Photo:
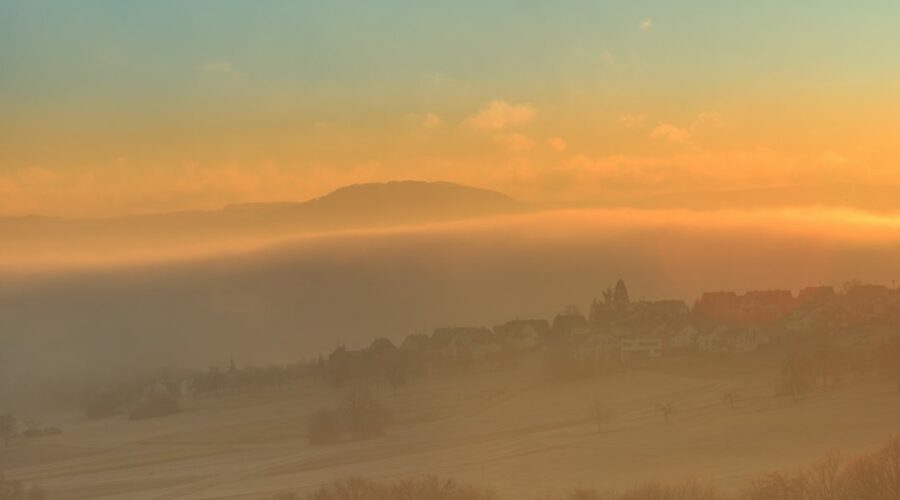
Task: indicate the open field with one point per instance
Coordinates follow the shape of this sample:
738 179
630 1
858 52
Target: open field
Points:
504 428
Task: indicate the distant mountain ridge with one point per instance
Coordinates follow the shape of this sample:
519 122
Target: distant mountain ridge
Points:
356 206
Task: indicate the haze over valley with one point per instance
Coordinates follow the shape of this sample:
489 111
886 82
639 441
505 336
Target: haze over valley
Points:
401 250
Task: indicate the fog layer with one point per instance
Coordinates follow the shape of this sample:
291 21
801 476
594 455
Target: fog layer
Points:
295 299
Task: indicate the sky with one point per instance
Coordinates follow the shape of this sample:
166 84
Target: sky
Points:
117 107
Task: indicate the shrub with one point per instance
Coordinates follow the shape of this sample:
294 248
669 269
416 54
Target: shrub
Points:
324 427
875 476
690 489
428 488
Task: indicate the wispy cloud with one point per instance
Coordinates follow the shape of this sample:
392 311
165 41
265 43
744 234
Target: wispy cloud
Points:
670 133
557 144
607 57
514 142
632 120
219 66
708 119
427 121
501 115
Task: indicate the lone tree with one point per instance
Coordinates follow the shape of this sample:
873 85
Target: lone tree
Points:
731 397
366 417
398 368
8 427
795 376
890 360
599 414
666 410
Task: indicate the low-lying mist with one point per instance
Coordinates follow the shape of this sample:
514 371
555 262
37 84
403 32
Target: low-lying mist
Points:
292 300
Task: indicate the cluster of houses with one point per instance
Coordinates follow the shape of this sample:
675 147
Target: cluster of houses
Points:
620 330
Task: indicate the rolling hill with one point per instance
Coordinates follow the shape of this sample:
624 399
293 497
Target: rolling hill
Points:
352 207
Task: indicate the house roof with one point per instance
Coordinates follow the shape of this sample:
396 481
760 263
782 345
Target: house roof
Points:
381 344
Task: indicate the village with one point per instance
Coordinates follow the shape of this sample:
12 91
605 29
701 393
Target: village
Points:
605 370
620 331
858 321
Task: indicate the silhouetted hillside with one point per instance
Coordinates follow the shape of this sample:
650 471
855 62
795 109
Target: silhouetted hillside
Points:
351 207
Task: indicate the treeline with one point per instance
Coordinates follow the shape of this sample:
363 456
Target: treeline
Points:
15 490
148 397
9 429
827 366
871 476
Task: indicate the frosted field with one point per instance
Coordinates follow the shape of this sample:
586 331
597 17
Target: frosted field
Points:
503 428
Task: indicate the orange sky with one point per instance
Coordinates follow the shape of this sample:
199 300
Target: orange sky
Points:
592 102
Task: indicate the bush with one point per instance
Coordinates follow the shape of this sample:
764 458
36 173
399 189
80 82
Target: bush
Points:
324 427
875 476
428 488
690 489
159 405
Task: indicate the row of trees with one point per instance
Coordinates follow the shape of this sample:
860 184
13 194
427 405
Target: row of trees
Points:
827 366
15 490
391 365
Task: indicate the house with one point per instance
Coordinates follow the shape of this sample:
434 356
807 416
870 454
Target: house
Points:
684 338
868 293
461 341
417 342
597 347
804 321
639 347
483 344
668 311
748 340
716 306
569 325
732 340
815 295
380 345
522 334
708 341
762 306
379 349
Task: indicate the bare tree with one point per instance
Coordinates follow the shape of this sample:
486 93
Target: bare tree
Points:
890 359
666 410
8 427
365 415
599 414
795 375
32 428
398 368
731 397
571 310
